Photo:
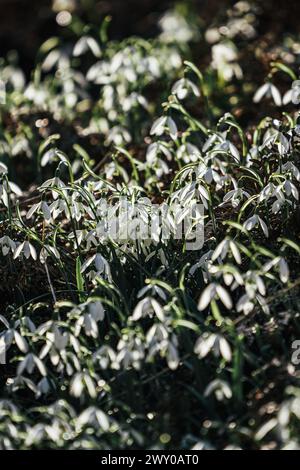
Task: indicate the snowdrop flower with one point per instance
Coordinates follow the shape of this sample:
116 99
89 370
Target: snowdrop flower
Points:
135 99
15 189
147 307
223 248
118 135
217 343
211 292
158 126
290 188
231 277
59 339
35 434
155 149
208 174
7 245
217 142
160 340
78 209
90 326
236 196
84 44
49 157
175 28
203 193
254 283
159 166
212 35
154 289
94 417
204 263
282 265
96 310
245 304
101 265
53 183
37 95
48 250
56 343
44 386
3 169
105 357
89 319
183 87
188 153
6 190
296 92
12 335
224 60
99 73
229 147
287 97
290 167
162 123
21 145
283 144
283 270
220 389
27 249
131 351
293 94
224 53
172 354
279 203
59 206
29 363
14 76
270 91
255 220
42 207
267 192
58 58
255 292
274 136
83 381
158 332
191 192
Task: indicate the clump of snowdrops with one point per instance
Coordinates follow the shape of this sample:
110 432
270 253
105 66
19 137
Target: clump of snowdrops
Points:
138 343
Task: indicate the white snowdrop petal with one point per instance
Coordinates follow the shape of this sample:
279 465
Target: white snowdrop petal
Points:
172 128
236 252
206 297
264 227
283 270
158 126
224 296
21 342
225 349
19 250
262 91
276 95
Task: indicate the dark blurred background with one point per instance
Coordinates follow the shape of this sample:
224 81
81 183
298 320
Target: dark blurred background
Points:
25 24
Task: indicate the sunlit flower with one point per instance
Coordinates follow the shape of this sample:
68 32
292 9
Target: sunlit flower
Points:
224 60
27 249
268 90
183 87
